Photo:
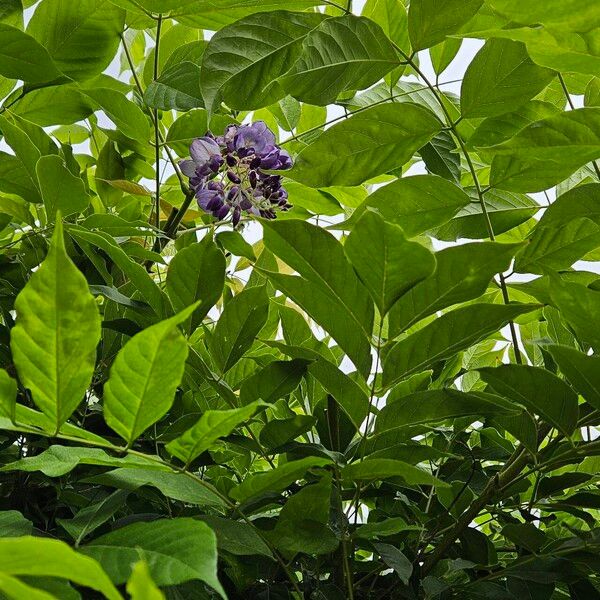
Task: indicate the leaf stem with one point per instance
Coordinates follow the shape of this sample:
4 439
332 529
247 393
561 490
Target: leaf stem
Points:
478 188
157 128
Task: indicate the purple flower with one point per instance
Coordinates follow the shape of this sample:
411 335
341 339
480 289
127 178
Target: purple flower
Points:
227 173
254 138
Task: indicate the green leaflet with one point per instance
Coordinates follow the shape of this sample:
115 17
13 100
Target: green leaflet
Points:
8 395
196 274
278 379
239 324
341 54
80 36
430 21
500 79
266 45
567 13
22 57
522 383
58 328
213 424
582 371
452 332
462 273
54 559
328 289
546 152
416 203
434 406
275 480
57 461
140 585
61 190
385 468
144 377
558 248
367 144
505 210
387 263
126 115
579 306
178 550
177 88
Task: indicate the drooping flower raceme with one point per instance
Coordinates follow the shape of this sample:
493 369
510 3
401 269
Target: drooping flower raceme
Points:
227 173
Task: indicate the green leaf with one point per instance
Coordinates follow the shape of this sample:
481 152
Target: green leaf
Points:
350 396
266 44
582 371
500 79
342 54
450 333
558 248
546 152
8 395
144 377
279 432
81 36
434 406
505 210
367 144
302 525
278 379
14 589
441 157
177 88
57 105
53 559
328 288
522 383
579 306
140 585
57 461
237 327
213 424
430 21
384 468
571 14
57 331
22 57
14 524
462 273
386 262
580 202
177 486
275 480
127 116
236 538
392 17
234 242
395 559
135 272
495 130
416 203
61 190
177 550
196 273
93 516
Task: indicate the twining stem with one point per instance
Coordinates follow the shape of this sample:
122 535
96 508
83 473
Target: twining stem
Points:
563 84
479 191
157 129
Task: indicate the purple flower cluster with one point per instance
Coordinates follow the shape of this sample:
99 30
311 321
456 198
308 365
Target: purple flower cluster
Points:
227 172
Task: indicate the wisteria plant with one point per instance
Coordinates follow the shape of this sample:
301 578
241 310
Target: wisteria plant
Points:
299 299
